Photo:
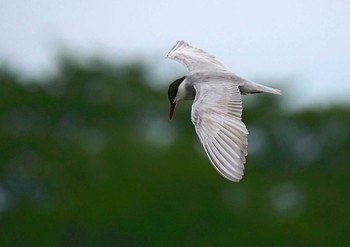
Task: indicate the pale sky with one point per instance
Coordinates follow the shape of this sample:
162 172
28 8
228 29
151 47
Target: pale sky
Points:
303 44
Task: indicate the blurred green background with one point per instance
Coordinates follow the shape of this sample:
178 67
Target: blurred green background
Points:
89 158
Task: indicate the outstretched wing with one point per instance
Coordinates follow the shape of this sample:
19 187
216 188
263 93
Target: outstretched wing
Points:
193 58
216 115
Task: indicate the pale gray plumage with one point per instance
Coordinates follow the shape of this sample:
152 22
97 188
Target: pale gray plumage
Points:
217 107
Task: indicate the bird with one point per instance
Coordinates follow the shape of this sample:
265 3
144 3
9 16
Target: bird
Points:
217 107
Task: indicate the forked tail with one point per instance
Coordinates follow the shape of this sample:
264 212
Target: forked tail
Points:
250 87
266 89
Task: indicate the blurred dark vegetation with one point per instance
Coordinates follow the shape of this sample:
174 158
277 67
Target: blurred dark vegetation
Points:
89 158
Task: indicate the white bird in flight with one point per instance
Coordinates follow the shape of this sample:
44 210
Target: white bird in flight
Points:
217 107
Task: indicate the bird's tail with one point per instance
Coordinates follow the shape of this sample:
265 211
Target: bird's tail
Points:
266 89
250 87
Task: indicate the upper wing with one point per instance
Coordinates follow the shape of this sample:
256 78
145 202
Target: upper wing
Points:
193 58
216 115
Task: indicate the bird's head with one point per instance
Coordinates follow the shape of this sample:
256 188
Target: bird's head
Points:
172 95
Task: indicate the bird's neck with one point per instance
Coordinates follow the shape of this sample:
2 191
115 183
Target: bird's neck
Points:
185 92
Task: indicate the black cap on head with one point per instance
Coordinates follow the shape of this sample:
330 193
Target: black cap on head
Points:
172 90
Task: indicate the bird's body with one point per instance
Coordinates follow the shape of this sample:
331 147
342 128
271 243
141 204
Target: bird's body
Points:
217 107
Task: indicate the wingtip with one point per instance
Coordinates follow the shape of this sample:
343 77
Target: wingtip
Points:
178 44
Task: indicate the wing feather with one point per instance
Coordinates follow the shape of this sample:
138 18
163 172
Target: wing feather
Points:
216 115
193 58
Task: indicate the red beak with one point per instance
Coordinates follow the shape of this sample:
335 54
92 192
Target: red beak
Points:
172 108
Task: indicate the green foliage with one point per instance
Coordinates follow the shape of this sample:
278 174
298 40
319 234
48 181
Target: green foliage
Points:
89 158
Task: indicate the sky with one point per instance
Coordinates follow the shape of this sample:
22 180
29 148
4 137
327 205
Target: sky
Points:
302 45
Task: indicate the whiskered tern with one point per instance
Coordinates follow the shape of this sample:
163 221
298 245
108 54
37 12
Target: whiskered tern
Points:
217 107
